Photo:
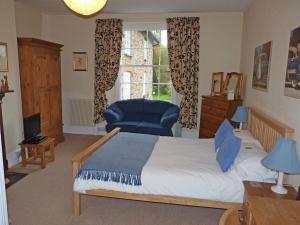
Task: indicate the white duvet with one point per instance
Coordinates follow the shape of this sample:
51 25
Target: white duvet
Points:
181 167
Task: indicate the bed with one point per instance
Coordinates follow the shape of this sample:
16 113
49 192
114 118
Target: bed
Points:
218 191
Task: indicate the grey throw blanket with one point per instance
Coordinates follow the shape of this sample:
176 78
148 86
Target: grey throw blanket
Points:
120 160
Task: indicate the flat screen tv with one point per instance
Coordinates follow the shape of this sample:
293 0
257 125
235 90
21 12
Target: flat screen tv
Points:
32 126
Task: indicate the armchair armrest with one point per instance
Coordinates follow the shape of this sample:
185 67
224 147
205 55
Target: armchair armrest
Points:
170 117
113 114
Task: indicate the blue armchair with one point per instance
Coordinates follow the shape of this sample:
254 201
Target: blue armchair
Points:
142 116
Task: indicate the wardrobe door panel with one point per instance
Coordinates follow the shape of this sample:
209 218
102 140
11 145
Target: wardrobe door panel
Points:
44 111
54 70
26 77
55 111
41 70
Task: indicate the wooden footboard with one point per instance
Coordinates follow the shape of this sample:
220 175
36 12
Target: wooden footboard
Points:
164 199
78 159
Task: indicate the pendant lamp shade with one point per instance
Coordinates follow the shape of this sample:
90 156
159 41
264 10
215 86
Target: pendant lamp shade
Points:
85 7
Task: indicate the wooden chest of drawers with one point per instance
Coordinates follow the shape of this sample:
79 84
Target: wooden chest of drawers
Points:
214 110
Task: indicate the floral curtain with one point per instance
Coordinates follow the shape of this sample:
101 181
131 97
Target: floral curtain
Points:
108 40
183 45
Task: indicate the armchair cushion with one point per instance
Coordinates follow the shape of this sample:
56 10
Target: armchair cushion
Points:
131 109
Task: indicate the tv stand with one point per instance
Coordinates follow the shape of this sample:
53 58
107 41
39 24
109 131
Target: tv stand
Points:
37 152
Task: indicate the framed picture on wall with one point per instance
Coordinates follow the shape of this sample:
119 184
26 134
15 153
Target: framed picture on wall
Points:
80 61
3 57
261 68
216 83
292 76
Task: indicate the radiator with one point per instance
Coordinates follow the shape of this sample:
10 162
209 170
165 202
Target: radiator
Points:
82 111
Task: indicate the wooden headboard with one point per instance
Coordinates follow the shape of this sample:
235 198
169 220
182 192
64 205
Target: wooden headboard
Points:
266 129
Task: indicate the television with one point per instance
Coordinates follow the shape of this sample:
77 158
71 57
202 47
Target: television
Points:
32 126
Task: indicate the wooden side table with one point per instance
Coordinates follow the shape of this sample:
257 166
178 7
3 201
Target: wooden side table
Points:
271 211
36 153
259 204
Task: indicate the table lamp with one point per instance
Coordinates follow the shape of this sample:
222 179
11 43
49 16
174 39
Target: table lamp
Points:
240 115
284 159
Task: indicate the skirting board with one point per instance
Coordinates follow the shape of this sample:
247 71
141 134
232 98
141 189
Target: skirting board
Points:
3 202
178 131
14 157
189 133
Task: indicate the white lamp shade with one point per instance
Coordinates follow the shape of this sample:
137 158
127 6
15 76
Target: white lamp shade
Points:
85 7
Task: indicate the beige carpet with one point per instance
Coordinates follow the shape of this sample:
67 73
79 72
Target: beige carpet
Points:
44 197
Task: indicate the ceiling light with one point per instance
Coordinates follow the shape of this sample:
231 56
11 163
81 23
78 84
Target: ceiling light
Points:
85 7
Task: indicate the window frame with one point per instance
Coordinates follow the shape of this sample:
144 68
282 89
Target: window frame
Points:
127 38
145 53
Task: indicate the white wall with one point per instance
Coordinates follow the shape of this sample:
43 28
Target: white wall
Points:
220 47
272 20
28 21
12 108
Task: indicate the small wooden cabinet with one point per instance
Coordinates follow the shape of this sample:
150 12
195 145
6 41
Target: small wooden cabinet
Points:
264 207
214 110
40 77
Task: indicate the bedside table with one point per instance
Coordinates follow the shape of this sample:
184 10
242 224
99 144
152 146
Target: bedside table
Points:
264 207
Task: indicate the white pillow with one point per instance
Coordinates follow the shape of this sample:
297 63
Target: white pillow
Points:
248 164
246 137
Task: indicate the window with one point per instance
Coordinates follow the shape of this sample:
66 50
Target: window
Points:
145 50
127 42
147 66
125 87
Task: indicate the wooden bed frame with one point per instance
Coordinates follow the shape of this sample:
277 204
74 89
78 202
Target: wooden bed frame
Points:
263 127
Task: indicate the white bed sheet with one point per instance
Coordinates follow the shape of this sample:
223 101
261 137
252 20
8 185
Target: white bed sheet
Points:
180 167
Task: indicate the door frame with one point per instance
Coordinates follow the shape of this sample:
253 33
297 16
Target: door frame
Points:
3 202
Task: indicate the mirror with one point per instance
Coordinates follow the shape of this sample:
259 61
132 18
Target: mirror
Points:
216 83
233 84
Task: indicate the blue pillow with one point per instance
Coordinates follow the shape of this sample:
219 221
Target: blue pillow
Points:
228 151
221 133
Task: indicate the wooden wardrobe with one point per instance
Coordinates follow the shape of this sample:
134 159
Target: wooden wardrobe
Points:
40 77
